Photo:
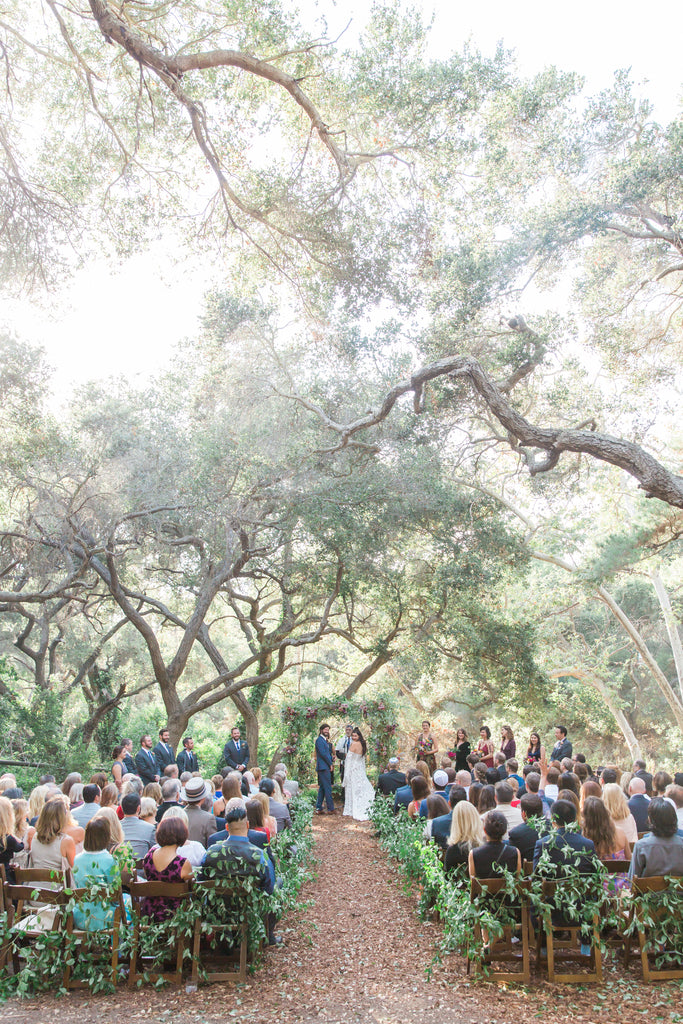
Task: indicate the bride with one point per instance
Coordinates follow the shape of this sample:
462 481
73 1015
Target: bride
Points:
359 792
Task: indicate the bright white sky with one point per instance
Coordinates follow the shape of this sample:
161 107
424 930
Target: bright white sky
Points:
151 305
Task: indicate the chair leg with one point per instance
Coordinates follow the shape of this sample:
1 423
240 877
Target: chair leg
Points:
243 952
133 968
195 951
548 928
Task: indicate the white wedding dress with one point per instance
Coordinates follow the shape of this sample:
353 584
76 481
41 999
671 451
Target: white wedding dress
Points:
359 792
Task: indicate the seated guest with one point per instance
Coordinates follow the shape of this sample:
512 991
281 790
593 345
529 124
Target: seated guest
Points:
675 795
609 841
441 826
534 825
116 839
163 864
278 810
269 822
532 783
660 852
291 784
279 778
190 850
487 801
202 822
236 857
499 759
494 855
140 835
569 794
404 794
479 773
504 795
148 810
609 775
109 796
617 808
36 802
639 803
466 834
70 781
437 807
391 780
568 780
170 796
551 788
92 796
95 865
51 847
440 781
153 789
420 790
640 772
464 779
248 777
512 772
10 846
278 796
473 794
660 780
589 788
563 846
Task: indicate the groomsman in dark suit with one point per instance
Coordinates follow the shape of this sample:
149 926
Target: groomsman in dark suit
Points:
128 762
236 751
187 759
164 753
324 759
145 761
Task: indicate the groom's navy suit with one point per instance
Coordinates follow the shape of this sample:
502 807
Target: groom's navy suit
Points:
324 759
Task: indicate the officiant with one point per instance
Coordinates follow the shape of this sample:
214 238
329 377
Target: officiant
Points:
342 748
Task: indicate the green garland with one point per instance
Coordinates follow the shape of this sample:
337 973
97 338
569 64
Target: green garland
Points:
302 718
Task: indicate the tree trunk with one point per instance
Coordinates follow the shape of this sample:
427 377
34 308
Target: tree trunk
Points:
671 626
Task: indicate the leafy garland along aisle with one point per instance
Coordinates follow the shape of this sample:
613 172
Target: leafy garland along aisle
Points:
448 896
43 962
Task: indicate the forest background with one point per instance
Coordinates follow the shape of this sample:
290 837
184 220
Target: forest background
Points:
425 440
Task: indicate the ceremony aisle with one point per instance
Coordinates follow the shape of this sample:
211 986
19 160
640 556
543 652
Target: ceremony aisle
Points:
355 950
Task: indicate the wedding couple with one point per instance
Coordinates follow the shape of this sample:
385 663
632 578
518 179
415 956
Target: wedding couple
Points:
358 790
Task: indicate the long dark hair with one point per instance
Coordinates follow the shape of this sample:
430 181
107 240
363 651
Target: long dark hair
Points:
361 739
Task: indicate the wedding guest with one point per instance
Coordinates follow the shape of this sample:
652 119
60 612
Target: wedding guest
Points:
570 795
116 838
10 845
75 797
437 807
473 794
140 835
95 865
504 794
589 788
277 809
639 803
71 780
423 769
71 828
51 847
201 822
148 810
617 808
170 797
660 852
640 772
391 780
673 793
36 802
420 790
534 825
497 773
164 864
153 789
466 835
609 841
109 796
487 800
565 846
23 831
462 750
660 780
441 826
269 822
404 794
493 856
191 850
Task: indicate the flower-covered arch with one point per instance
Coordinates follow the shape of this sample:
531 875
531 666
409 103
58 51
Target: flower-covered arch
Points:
302 718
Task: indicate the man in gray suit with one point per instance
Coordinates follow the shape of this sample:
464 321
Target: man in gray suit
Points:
92 794
138 834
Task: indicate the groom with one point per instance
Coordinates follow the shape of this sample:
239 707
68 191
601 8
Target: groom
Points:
324 759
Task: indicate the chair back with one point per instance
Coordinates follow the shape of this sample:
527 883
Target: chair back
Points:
616 867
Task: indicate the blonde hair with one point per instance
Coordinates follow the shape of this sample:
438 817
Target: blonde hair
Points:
54 819
116 836
615 801
20 808
466 825
278 795
36 800
423 769
147 806
153 789
7 825
265 803
258 775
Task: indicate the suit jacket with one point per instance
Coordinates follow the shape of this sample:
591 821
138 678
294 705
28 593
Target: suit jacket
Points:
563 848
402 797
163 755
146 765
233 756
324 754
129 764
202 824
441 829
256 838
639 805
281 814
561 749
647 779
237 857
390 781
524 837
187 761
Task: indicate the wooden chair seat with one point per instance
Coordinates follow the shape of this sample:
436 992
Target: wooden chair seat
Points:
104 942
35 904
503 949
648 956
231 930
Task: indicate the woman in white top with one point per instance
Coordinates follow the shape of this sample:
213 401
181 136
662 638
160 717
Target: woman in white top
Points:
191 850
617 808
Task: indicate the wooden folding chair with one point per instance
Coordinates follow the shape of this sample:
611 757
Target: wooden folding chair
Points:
176 942
35 905
503 949
231 929
103 941
566 949
616 939
648 954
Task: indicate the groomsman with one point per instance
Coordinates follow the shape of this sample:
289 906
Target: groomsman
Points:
342 748
187 759
324 759
236 751
128 762
145 761
164 753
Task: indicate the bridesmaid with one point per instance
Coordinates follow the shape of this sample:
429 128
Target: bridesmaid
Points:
508 745
426 747
485 747
535 752
462 749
